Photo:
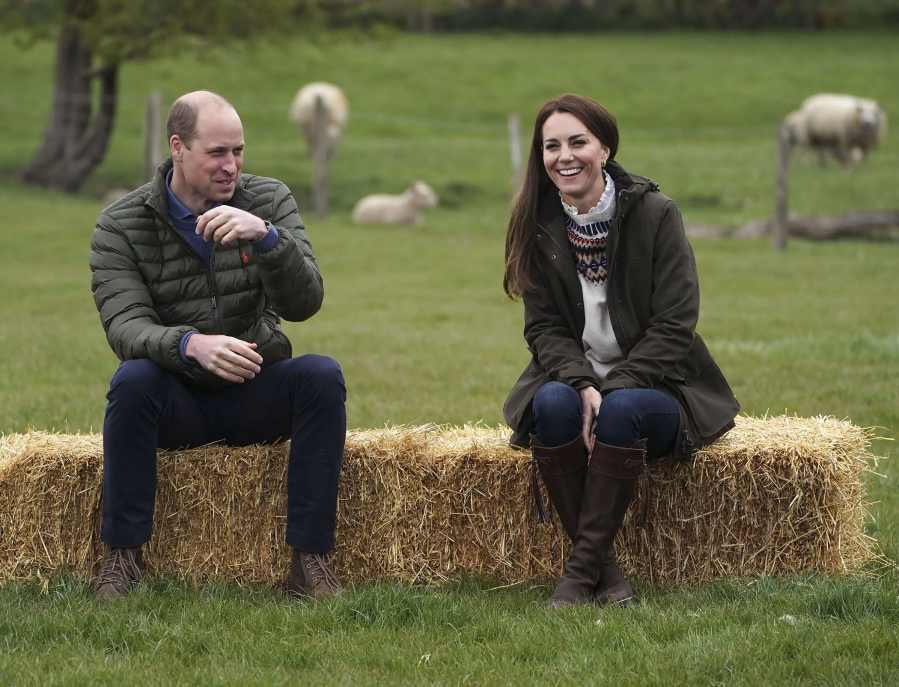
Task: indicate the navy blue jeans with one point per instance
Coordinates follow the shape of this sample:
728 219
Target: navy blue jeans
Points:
301 399
625 417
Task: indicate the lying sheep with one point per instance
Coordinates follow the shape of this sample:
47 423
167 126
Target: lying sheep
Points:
844 126
302 112
404 208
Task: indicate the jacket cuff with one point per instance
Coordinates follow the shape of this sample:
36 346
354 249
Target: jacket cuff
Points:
280 242
182 348
267 242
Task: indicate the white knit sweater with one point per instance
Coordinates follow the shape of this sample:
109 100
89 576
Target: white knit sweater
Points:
600 345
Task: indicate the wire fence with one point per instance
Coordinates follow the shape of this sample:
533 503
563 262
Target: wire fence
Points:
418 140
378 120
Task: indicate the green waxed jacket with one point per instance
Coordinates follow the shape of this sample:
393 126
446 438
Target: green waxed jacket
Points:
653 297
151 288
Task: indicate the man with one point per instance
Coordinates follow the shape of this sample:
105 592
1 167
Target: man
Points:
191 273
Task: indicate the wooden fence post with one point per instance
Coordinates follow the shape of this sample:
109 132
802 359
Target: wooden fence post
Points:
152 134
781 200
320 154
515 149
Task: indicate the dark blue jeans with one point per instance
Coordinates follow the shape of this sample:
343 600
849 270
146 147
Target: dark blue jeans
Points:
301 399
625 417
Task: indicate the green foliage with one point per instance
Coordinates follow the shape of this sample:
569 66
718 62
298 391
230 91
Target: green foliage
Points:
117 31
584 15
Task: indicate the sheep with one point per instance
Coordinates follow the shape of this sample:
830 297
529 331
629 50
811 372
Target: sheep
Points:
302 112
844 126
404 208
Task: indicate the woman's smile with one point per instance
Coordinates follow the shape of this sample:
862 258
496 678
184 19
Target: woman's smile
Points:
573 158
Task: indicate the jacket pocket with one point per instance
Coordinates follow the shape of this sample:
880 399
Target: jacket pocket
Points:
710 401
273 342
705 393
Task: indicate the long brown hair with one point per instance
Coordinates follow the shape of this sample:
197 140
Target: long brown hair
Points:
520 245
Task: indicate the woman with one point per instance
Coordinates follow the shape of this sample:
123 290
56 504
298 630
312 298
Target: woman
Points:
618 376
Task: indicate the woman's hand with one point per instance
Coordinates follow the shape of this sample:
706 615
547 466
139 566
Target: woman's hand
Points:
590 401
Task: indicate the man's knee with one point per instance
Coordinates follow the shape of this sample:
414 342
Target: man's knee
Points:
140 378
320 375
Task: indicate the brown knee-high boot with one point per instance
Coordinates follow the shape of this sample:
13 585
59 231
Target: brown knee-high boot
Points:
563 469
591 571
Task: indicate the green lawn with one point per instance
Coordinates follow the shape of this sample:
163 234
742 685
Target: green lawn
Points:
418 319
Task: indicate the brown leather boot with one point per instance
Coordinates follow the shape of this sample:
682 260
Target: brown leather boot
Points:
563 469
591 571
311 577
119 572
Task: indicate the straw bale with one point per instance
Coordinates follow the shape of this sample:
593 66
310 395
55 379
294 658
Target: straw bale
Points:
775 496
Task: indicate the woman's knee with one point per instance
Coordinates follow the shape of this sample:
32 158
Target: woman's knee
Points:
557 413
629 415
618 422
555 398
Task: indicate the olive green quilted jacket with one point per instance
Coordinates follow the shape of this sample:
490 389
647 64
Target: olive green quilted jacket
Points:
653 296
151 288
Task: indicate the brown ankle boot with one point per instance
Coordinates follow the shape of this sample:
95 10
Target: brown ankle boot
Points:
311 577
563 469
591 571
119 572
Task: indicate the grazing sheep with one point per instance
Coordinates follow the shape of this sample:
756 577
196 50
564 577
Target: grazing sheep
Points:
844 126
404 208
302 112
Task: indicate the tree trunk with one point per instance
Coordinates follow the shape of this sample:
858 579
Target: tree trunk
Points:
76 137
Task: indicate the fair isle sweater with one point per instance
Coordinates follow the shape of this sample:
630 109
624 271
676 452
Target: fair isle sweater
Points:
588 234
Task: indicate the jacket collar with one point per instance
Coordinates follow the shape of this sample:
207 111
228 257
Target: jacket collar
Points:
158 198
629 189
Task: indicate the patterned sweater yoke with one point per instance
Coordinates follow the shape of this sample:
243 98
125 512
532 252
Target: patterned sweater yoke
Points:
589 245
588 234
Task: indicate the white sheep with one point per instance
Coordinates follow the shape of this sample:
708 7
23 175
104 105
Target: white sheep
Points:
383 208
302 112
844 126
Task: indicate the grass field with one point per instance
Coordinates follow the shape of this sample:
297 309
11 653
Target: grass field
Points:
418 320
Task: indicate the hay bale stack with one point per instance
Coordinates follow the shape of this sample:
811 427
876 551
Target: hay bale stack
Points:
775 496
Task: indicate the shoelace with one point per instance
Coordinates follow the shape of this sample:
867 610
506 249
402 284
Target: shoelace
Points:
119 568
317 567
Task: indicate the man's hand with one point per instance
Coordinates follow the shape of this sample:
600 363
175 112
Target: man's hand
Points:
229 358
590 402
225 225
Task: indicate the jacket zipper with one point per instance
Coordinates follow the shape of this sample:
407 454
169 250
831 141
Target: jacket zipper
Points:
611 291
220 326
612 294
210 271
